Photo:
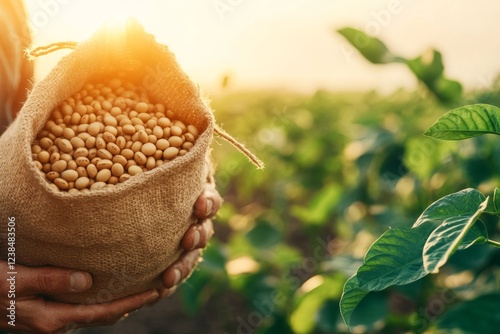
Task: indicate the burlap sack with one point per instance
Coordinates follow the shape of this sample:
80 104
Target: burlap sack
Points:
124 236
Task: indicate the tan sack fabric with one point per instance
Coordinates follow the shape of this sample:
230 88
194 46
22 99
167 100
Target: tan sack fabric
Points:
124 236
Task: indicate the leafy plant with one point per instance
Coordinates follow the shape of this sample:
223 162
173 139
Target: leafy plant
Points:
450 225
428 67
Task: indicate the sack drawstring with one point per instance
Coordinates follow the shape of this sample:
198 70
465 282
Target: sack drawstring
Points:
44 50
239 146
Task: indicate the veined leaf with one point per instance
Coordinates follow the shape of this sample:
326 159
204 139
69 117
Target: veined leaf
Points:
359 307
478 234
352 296
446 238
466 122
370 47
394 259
464 202
493 206
479 315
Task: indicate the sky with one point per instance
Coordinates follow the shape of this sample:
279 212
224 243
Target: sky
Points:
291 44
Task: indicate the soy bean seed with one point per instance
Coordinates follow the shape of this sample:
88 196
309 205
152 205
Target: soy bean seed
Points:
105 134
117 169
134 170
120 159
175 141
162 144
104 164
65 146
82 161
170 153
148 149
140 158
52 175
103 175
61 184
82 182
43 157
92 171
150 163
59 166
82 171
69 175
104 154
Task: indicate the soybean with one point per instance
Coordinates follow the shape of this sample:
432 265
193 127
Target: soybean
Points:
105 134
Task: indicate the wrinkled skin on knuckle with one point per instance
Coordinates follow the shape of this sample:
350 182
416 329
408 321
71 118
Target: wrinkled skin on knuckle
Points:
45 283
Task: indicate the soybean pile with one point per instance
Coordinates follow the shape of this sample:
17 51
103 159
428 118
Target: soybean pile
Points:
105 134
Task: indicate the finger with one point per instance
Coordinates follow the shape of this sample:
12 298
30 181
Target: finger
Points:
197 236
49 280
164 293
181 269
61 317
208 203
109 313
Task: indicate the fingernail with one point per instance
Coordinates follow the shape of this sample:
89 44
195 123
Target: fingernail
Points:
153 297
79 281
177 278
209 207
196 238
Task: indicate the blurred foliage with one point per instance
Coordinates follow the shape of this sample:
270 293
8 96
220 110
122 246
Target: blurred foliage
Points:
428 68
342 169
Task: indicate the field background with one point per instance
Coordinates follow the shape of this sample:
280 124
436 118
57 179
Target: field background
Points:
343 143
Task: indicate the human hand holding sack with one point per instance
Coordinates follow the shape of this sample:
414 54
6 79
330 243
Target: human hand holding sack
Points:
124 235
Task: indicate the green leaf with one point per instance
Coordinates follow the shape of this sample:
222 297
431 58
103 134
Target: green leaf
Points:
204 282
494 203
464 202
446 238
479 315
447 90
478 234
370 313
394 259
370 47
264 235
427 67
214 259
320 206
327 316
466 122
370 307
303 318
351 298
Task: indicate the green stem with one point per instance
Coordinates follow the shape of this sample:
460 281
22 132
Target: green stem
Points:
493 243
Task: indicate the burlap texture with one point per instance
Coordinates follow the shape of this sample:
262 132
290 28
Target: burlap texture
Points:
124 236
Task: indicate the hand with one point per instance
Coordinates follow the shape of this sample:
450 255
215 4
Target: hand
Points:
37 315
33 314
195 238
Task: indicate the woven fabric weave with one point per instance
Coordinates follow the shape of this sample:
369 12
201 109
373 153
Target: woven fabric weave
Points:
124 236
